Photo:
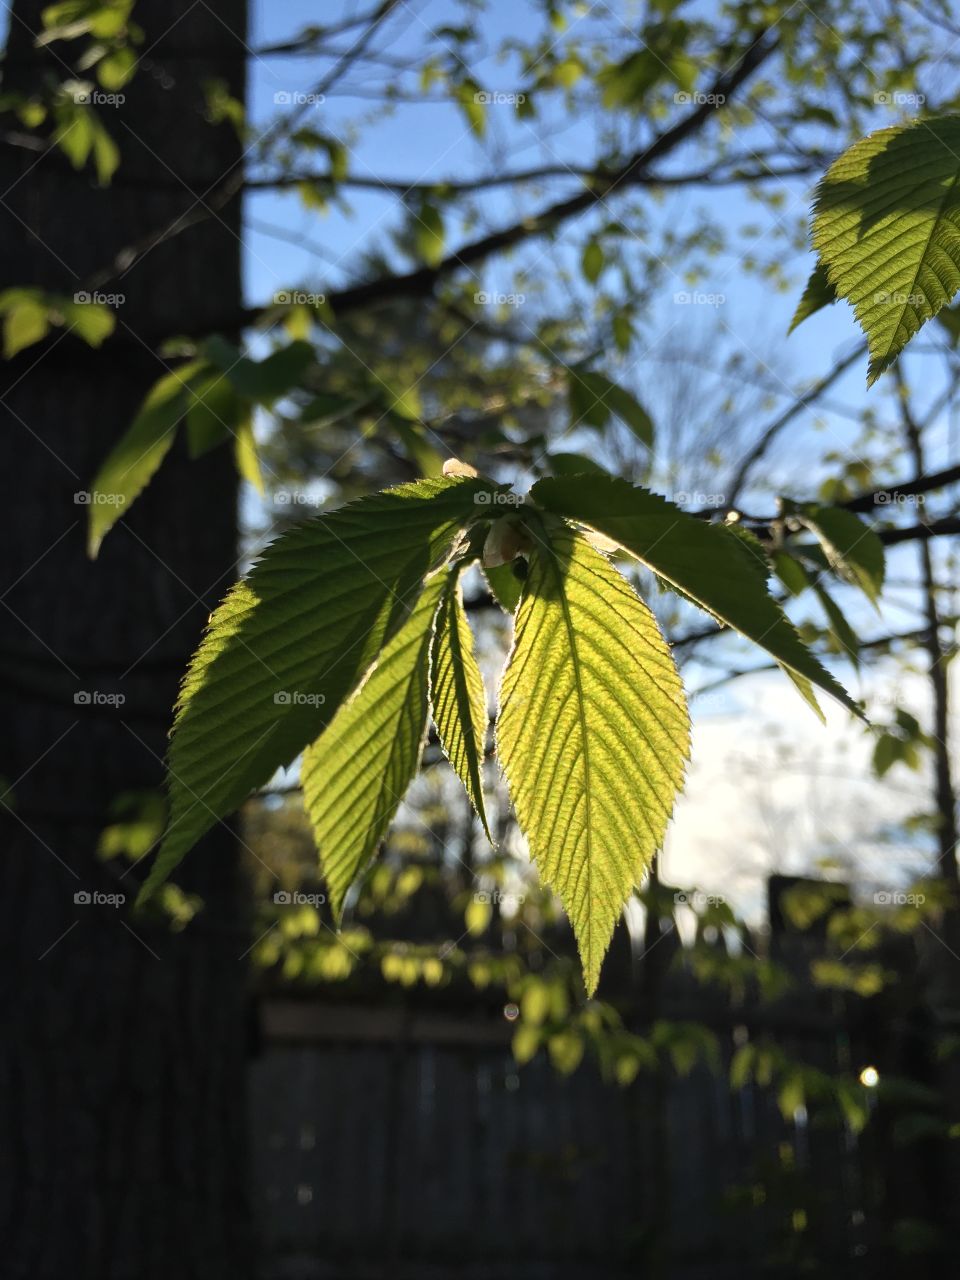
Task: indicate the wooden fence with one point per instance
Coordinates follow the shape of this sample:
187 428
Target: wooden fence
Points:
401 1141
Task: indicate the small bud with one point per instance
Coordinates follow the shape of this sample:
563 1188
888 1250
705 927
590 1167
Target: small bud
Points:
454 467
505 541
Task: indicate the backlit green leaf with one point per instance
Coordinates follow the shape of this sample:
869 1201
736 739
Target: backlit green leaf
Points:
356 773
505 583
428 234
819 293
293 639
852 548
457 695
886 222
704 561
246 454
24 322
133 461
592 733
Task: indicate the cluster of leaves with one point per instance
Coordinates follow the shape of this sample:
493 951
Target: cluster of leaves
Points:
30 314
350 629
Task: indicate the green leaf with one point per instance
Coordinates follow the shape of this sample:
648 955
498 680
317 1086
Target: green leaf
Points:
886 753
134 460
842 631
819 293
428 234
213 411
574 464
566 1051
525 1043
92 321
246 454
593 397
505 583
791 1095
592 733
263 381
106 153
587 393
355 775
704 561
457 695
472 102
853 550
75 132
627 83
405 403
293 639
790 572
592 262
428 460
741 1066
886 221
25 322
114 70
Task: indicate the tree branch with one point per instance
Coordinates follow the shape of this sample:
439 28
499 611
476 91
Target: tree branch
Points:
422 281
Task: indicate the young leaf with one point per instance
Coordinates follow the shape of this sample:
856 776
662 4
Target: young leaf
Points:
885 224
705 562
472 103
247 455
457 695
92 321
428 234
134 459
852 548
592 733
356 773
25 320
293 639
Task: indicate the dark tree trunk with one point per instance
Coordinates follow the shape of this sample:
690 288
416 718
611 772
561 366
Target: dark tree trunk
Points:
121 1069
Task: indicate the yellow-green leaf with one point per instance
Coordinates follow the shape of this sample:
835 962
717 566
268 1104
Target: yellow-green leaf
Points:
457 695
133 461
819 293
355 775
246 454
886 224
707 563
592 734
295 638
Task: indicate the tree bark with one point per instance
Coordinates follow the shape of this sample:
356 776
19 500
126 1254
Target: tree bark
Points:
122 1060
